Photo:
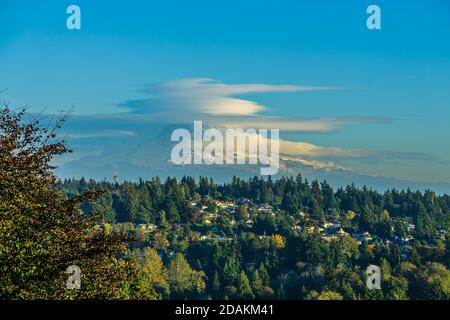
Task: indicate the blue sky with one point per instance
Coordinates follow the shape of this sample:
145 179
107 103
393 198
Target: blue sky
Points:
398 76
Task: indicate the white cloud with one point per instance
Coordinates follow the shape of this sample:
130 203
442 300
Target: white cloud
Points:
207 96
102 134
213 102
292 124
311 150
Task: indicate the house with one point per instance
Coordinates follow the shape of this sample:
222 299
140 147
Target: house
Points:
264 210
311 229
219 204
329 237
406 239
146 227
224 204
367 236
336 225
362 237
327 224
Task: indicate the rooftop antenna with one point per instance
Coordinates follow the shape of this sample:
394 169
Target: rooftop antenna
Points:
116 176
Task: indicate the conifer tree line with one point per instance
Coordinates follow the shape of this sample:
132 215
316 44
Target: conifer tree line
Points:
145 201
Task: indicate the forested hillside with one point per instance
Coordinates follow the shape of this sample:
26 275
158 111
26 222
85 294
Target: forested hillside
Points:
286 239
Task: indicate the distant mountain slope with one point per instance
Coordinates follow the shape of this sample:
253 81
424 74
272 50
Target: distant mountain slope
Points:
99 158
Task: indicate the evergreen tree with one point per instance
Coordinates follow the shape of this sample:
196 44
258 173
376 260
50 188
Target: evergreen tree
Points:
184 281
244 290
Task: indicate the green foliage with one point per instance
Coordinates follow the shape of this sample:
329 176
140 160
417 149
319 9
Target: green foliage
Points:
183 280
41 231
433 281
244 291
152 273
329 295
